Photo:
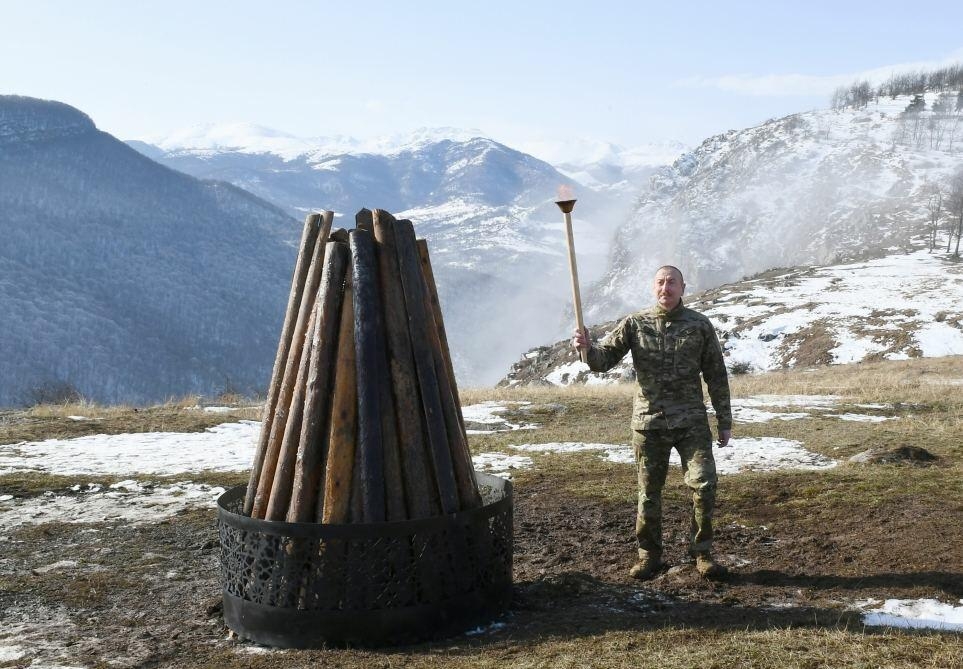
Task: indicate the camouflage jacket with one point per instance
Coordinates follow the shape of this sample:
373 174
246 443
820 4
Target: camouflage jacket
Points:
669 351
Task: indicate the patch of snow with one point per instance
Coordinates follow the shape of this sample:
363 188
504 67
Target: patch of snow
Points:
219 409
746 453
226 447
742 414
56 566
801 401
484 418
765 454
253 649
563 375
938 339
36 637
501 464
620 453
11 653
129 502
916 614
487 629
863 418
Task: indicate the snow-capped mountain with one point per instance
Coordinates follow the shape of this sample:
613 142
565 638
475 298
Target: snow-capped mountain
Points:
487 212
604 165
250 138
904 304
814 187
124 279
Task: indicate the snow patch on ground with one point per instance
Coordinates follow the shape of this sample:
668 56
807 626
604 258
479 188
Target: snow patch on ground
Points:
228 447
743 414
916 614
610 452
748 453
750 409
501 464
128 501
485 418
863 418
35 637
800 401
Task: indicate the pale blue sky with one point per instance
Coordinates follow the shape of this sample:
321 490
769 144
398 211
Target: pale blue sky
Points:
627 72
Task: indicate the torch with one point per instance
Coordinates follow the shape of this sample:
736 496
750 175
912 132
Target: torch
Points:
566 203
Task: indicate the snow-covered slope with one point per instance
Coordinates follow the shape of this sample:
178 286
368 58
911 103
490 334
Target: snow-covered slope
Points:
903 304
815 187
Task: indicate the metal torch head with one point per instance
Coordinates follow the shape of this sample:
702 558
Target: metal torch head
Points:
566 206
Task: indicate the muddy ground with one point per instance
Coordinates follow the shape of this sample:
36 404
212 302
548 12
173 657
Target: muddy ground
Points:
148 596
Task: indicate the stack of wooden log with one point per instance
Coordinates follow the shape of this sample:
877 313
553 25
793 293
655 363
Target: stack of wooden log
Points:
362 422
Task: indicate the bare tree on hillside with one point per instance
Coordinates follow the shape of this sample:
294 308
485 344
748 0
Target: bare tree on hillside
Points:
955 208
935 206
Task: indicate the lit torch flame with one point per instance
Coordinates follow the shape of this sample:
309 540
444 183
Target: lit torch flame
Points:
566 199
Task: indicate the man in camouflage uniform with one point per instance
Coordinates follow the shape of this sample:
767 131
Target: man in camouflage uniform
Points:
671 346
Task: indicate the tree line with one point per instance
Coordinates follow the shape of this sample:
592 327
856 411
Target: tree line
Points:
945 206
861 93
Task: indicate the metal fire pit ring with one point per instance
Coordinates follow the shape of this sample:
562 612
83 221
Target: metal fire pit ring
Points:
308 585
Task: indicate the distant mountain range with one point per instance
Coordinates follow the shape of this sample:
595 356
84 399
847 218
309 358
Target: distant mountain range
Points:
127 280
486 210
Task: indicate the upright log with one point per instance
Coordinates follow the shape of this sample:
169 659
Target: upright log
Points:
451 404
292 365
309 236
335 502
280 495
420 491
313 445
418 327
372 373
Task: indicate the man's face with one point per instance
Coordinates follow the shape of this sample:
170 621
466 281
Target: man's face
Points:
668 288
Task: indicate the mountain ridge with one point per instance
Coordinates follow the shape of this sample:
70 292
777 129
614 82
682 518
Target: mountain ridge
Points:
813 187
127 280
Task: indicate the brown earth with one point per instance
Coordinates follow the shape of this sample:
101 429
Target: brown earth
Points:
149 596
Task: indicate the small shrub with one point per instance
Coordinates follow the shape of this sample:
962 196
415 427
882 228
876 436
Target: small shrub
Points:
52 392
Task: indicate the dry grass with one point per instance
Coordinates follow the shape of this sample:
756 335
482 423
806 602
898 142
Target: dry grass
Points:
64 421
665 648
908 381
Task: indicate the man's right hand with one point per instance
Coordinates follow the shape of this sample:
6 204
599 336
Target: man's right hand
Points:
581 341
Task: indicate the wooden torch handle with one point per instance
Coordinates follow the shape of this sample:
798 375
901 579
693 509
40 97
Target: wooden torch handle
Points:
576 297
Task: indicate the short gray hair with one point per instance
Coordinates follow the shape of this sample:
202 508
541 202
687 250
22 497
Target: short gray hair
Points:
674 269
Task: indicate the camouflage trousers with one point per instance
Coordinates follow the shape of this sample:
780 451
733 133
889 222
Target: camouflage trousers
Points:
652 449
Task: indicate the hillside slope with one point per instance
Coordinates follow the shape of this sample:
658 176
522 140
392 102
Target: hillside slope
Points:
816 187
125 279
897 306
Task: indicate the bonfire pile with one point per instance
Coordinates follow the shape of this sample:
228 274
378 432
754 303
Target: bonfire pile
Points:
362 422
